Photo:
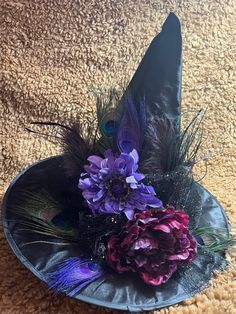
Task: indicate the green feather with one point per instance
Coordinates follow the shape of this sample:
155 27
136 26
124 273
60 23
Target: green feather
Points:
108 116
215 239
38 212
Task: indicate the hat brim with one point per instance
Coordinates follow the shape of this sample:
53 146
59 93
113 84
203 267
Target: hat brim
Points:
118 292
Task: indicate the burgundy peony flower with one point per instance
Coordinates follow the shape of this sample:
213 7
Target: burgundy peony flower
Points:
113 185
153 244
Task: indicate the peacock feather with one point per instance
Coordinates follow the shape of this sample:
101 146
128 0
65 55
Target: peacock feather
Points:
215 239
39 213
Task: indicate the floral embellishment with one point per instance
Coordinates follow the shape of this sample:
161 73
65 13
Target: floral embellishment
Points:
154 244
112 185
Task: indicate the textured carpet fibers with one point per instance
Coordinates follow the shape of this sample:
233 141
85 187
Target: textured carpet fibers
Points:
51 51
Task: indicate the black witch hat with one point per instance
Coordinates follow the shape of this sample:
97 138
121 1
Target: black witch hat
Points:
65 236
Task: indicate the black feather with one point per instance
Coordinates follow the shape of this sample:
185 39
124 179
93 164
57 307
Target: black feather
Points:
160 144
77 141
168 158
77 146
167 151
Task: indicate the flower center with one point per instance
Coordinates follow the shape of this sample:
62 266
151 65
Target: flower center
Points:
118 188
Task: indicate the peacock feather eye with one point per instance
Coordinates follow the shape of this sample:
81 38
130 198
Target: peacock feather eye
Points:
55 217
48 213
109 127
109 124
94 266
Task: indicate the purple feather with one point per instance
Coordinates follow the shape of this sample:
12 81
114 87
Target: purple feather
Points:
132 127
143 117
74 274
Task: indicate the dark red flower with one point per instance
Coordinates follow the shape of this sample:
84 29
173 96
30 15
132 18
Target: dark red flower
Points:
153 244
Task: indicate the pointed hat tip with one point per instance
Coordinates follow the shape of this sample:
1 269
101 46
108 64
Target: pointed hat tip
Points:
172 22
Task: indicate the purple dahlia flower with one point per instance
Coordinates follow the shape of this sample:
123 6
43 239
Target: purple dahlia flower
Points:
112 185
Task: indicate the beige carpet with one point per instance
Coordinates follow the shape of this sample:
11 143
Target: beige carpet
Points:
51 51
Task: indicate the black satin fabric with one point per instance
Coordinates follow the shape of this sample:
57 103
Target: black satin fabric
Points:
122 292
159 75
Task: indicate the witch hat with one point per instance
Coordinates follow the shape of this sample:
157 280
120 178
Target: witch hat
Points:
56 199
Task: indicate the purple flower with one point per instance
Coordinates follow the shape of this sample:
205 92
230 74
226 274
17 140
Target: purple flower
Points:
154 244
112 185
